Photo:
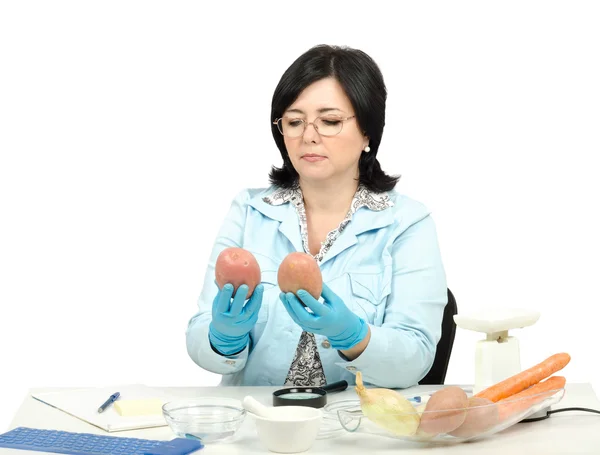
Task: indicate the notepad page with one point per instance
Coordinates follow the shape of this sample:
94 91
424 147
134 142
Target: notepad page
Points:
84 403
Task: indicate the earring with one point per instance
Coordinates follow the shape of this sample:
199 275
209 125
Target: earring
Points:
367 149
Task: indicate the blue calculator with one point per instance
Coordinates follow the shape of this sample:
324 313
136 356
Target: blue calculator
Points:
55 441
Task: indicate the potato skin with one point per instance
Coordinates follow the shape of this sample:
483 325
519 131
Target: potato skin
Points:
300 271
478 419
237 266
446 410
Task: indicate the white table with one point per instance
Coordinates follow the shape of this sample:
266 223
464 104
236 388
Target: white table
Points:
569 432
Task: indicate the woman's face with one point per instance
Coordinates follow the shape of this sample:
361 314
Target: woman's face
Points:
318 158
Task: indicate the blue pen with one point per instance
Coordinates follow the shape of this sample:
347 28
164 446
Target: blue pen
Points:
108 402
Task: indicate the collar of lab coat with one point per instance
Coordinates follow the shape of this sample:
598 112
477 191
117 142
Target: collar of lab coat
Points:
363 220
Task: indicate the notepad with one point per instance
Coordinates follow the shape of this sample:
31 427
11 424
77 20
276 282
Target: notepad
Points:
83 404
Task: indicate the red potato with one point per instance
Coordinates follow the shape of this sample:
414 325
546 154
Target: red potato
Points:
481 416
237 266
300 271
445 411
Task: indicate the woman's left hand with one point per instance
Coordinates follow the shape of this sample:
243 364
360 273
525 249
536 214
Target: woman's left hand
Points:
333 318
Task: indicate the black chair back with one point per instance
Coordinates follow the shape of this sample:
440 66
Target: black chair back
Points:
437 373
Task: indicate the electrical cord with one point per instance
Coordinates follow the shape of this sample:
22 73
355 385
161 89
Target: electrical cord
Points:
552 411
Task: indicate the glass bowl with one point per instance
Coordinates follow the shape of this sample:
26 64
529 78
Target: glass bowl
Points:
448 425
331 426
206 419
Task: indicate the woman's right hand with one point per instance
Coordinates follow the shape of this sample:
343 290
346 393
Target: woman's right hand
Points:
232 321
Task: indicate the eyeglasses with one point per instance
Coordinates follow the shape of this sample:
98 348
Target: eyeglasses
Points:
328 125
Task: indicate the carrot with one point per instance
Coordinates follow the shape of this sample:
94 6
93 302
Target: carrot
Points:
536 393
525 379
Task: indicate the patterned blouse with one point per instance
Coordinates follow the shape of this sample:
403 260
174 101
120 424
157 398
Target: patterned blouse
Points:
306 368
362 198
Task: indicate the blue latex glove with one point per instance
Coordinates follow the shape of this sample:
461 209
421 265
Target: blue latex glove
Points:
232 320
333 318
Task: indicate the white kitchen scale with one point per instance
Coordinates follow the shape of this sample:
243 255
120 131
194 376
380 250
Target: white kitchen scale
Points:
497 357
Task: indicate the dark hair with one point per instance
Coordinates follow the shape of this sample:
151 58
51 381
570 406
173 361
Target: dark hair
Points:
362 82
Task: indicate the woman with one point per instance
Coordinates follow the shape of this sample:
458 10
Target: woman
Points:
384 285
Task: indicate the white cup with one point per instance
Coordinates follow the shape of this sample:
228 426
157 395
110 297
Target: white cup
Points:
289 429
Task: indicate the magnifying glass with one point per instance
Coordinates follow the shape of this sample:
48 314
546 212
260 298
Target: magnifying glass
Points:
314 397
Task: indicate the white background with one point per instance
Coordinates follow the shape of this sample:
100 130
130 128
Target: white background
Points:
127 127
